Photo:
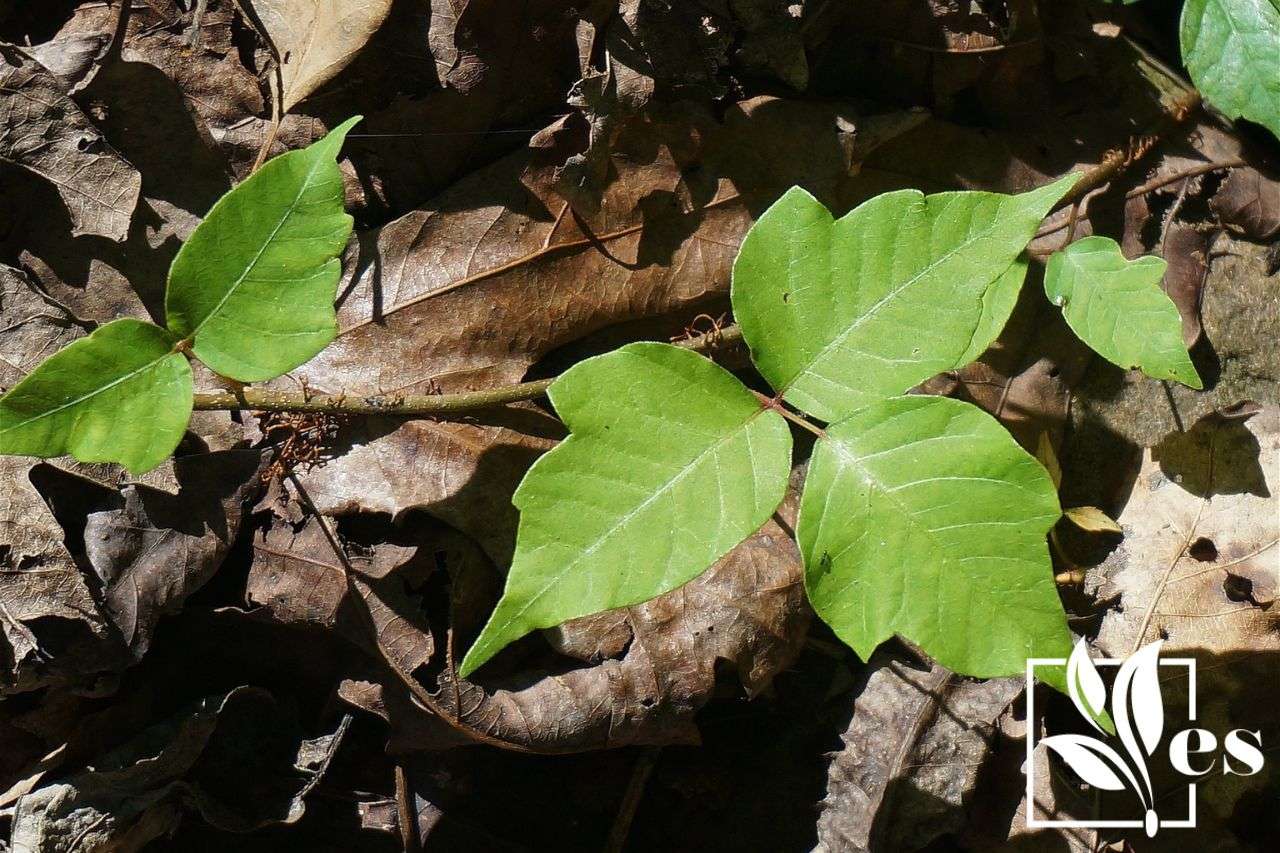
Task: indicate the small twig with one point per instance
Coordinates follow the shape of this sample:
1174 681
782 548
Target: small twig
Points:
775 404
631 800
408 822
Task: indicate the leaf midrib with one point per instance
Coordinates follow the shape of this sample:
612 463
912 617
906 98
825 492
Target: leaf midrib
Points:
293 206
608 534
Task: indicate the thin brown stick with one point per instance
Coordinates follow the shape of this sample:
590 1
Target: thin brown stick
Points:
405 818
631 800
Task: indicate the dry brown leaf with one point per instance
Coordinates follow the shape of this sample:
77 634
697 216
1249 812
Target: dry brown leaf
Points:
1213 485
45 132
313 40
1249 202
915 746
207 760
747 609
299 579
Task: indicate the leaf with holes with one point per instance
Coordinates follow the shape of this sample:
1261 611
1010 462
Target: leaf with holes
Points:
842 312
253 288
922 517
670 464
1116 306
1232 50
120 395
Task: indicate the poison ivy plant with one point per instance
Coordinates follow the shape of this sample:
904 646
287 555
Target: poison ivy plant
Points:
1232 50
840 313
920 517
1117 307
250 294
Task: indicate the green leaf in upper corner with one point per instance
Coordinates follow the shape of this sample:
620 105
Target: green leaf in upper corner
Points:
671 463
119 395
842 312
1232 50
253 288
1117 307
922 517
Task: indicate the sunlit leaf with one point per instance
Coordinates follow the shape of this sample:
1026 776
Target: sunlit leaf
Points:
122 394
1116 306
1232 50
922 517
253 288
842 312
315 39
671 463
1092 520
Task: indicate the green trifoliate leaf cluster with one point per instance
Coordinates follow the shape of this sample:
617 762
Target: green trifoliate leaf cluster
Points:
250 294
921 516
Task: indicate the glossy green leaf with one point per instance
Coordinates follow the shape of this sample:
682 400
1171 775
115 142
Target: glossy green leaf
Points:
670 464
1232 50
841 313
1117 307
253 288
921 516
122 394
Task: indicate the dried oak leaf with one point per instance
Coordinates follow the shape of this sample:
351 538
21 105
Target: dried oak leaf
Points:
237 759
43 131
915 746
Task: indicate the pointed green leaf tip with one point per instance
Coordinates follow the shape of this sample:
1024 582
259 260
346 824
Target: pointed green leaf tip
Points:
253 288
120 395
1117 307
670 464
1232 50
842 312
922 517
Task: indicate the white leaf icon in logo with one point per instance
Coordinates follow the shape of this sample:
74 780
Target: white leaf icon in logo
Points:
1085 686
1137 703
1089 758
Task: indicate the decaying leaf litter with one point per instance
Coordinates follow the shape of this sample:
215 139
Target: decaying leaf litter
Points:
532 186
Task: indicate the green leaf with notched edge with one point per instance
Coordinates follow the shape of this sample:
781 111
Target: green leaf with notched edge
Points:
671 463
1117 307
122 394
1232 50
921 516
253 288
843 312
